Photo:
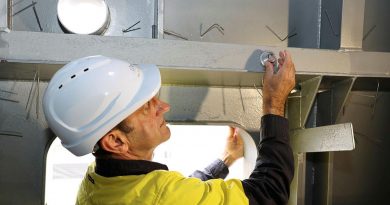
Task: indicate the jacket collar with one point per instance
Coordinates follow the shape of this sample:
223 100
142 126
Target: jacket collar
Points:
116 167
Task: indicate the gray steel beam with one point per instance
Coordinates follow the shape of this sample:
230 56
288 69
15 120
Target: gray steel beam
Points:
330 24
306 22
297 187
376 26
170 76
352 23
159 17
4 27
261 22
48 48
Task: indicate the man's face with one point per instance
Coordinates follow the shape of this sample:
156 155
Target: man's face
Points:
149 126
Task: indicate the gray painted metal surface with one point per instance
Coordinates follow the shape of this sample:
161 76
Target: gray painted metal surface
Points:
243 22
317 23
47 48
24 140
323 139
306 22
300 103
352 24
376 26
331 102
308 93
319 178
366 167
334 24
340 93
207 105
297 187
4 16
299 106
331 22
159 18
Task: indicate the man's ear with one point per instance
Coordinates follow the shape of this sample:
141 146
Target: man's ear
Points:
114 142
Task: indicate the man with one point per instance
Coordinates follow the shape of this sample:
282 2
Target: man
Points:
107 106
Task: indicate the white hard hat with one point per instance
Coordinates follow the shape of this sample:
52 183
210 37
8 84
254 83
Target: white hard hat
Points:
89 96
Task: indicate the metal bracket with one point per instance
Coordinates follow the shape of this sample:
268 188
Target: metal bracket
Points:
340 93
323 139
331 103
300 103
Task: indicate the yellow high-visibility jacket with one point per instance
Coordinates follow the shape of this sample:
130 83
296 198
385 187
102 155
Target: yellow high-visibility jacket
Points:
159 187
269 183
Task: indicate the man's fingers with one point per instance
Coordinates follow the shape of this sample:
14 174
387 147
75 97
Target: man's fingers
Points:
290 68
269 70
281 61
235 139
289 64
286 59
235 131
282 54
232 131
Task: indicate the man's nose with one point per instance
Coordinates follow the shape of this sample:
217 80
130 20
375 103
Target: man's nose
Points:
163 107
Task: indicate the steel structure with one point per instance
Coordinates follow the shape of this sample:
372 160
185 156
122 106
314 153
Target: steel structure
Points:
205 82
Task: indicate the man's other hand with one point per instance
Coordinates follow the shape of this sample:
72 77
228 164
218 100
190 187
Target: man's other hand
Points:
234 148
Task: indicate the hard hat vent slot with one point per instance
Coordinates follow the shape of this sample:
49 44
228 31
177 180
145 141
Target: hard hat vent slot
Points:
60 87
73 76
85 70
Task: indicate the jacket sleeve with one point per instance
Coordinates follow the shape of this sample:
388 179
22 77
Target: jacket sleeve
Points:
269 183
215 170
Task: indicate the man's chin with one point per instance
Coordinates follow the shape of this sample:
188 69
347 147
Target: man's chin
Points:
167 135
